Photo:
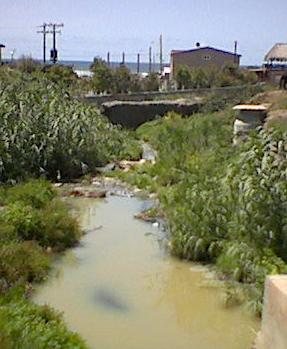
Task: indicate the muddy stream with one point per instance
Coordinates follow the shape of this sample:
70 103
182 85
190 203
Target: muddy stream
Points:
120 289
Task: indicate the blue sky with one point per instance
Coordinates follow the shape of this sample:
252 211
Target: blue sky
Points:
93 27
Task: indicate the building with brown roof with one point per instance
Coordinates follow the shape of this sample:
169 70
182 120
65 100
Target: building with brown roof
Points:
203 57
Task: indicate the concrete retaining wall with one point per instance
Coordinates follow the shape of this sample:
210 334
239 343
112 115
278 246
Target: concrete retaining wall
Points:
133 114
273 334
149 96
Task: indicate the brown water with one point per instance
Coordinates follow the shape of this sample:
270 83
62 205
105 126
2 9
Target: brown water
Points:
120 290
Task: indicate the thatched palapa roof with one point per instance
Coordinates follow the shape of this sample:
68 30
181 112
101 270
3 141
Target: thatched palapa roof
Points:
277 53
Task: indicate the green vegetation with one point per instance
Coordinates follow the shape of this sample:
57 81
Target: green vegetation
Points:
45 132
34 222
24 325
202 78
224 205
120 79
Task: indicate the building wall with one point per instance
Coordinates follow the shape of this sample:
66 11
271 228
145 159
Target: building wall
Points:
203 58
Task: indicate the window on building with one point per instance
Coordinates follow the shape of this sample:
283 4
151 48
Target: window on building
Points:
206 57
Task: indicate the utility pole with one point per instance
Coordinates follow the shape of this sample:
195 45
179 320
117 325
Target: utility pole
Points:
54 52
108 58
150 59
160 54
123 59
138 63
235 51
1 46
44 31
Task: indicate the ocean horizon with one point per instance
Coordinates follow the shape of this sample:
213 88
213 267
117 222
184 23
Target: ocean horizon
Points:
132 66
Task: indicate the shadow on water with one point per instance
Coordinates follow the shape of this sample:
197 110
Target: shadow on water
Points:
110 301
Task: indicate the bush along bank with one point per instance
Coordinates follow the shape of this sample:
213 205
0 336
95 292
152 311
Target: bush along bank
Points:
34 222
224 205
45 132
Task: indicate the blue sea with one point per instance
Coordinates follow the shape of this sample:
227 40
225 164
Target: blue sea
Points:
85 65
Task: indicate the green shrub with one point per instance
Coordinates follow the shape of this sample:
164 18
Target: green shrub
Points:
24 325
183 77
229 75
46 133
224 204
22 262
26 64
59 228
60 74
51 226
26 221
247 264
33 212
7 231
35 193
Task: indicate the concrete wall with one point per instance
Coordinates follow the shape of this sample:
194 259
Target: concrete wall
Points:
149 96
273 334
205 58
133 114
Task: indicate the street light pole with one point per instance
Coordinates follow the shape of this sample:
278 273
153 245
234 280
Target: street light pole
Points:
12 54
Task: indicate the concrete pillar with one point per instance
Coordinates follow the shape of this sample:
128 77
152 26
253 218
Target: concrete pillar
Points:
248 118
273 334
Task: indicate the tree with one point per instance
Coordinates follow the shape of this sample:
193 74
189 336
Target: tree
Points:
102 80
183 77
122 79
136 84
27 64
199 78
151 82
60 74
